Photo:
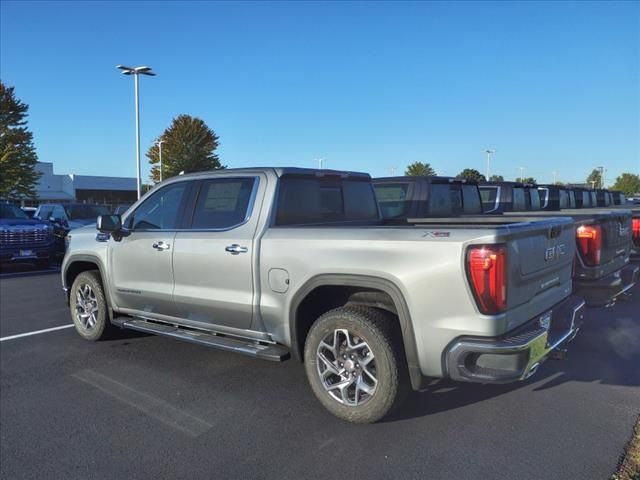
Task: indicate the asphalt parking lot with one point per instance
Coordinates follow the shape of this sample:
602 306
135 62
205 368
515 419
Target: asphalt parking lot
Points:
147 407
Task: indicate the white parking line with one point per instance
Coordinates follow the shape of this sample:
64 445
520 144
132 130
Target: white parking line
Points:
37 332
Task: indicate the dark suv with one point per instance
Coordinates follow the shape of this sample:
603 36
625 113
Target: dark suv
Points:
23 239
64 217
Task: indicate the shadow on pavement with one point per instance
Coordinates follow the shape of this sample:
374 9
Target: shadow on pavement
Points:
605 351
26 270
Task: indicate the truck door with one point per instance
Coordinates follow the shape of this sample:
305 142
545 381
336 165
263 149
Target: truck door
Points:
141 262
213 257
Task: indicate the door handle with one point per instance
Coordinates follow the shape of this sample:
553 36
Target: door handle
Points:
161 246
236 249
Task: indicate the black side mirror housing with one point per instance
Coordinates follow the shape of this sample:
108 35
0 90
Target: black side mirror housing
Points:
109 223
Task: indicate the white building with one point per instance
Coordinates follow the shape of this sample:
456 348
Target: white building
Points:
53 188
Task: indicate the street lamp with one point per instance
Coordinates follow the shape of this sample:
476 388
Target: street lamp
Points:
137 71
159 144
488 151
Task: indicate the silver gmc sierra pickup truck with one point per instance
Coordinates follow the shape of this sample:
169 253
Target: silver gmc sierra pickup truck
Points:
279 262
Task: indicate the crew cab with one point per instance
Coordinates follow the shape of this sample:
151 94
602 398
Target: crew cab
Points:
279 262
416 197
602 270
23 239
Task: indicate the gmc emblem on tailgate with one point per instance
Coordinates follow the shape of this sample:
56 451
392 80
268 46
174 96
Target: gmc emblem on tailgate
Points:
554 252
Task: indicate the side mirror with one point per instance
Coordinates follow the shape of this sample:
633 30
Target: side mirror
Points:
109 223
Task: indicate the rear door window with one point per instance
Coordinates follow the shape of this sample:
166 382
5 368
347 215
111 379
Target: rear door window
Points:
564 199
222 203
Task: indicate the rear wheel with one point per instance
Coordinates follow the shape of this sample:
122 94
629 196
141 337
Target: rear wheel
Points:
89 310
353 362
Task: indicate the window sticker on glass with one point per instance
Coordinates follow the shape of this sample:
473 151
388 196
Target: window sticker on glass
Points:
223 197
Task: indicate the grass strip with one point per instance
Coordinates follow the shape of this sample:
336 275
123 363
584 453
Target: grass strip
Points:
629 468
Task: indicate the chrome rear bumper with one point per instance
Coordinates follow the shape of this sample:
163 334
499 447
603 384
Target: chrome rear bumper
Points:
518 354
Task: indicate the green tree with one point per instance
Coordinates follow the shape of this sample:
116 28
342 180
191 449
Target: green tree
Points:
188 145
472 174
628 183
496 178
526 180
419 169
595 178
18 158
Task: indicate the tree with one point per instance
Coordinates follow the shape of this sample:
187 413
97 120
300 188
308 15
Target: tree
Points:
628 183
419 169
595 178
472 174
496 178
18 158
188 145
526 180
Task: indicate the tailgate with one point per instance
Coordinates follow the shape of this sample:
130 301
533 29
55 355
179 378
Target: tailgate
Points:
616 231
616 236
540 259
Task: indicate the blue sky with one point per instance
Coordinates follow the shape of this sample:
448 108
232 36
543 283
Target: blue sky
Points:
552 86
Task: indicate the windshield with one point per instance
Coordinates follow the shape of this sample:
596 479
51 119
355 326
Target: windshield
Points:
85 212
11 211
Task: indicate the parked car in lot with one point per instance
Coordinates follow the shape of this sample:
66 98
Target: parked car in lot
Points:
602 270
23 239
273 262
64 217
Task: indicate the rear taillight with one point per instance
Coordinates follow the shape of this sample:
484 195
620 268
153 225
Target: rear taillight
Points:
635 228
589 238
487 270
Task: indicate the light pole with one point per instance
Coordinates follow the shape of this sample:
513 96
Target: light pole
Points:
554 177
137 71
521 173
159 143
488 151
602 172
320 162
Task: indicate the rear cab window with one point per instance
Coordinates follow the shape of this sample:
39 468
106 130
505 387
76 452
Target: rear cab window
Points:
520 203
534 198
471 199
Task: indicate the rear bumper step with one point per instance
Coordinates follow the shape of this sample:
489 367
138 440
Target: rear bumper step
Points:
274 353
518 354
603 292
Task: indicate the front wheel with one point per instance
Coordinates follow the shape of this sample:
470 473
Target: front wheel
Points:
353 362
89 310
